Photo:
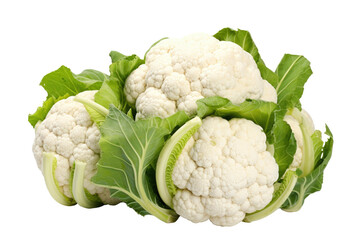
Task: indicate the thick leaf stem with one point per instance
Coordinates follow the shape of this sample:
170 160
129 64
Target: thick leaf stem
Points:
93 105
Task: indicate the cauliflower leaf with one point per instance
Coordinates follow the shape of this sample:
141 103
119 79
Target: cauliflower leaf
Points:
49 165
293 72
81 195
111 92
61 84
42 111
168 157
63 81
258 111
129 151
312 181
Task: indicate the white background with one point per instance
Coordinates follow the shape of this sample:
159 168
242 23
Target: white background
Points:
37 37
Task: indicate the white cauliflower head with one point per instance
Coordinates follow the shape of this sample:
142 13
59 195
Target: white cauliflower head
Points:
177 72
69 133
224 172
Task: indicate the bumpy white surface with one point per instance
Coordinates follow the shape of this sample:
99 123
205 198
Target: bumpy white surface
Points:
224 172
177 72
68 132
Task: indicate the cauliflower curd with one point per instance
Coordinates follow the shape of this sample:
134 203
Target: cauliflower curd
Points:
177 72
224 172
69 133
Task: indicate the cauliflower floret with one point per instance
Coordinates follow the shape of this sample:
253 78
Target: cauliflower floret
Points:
196 66
68 132
229 172
153 102
269 93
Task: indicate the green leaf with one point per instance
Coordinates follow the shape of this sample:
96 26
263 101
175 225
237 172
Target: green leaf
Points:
92 79
63 81
258 111
116 56
112 91
49 167
279 197
313 181
317 141
129 152
42 111
244 40
284 143
168 157
293 72
82 195
61 84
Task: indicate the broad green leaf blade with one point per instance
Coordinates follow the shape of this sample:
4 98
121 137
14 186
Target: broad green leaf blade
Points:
168 157
112 91
92 79
244 40
109 93
61 84
279 197
284 143
49 167
313 181
173 122
293 72
116 56
42 111
81 195
208 106
122 68
258 111
316 139
91 74
129 149
241 38
62 81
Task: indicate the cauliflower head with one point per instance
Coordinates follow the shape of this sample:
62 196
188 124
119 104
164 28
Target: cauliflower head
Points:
178 72
224 172
69 133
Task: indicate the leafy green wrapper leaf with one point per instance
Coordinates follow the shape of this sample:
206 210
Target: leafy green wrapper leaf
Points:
129 152
112 91
313 181
293 72
244 40
284 143
61 84
63 81
92 78
42 111
258 111
116 56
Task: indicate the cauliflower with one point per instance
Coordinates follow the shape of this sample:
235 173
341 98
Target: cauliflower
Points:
69 133
177 72
224 172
